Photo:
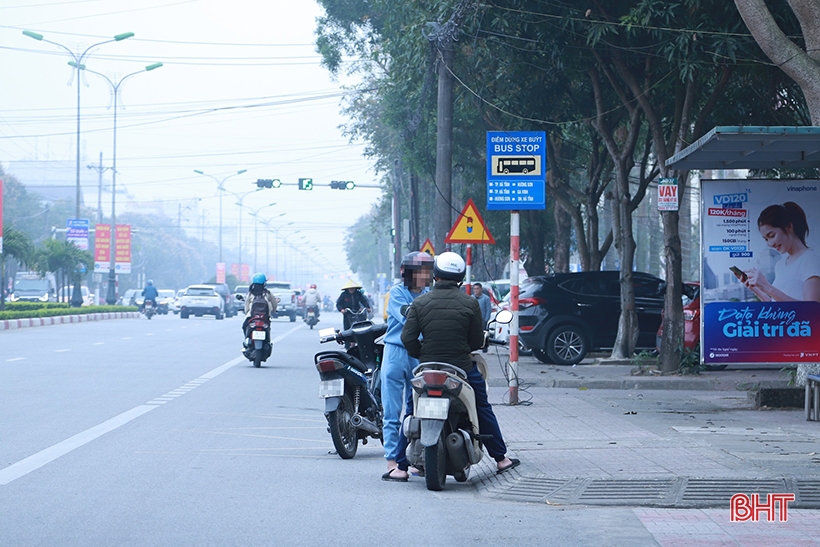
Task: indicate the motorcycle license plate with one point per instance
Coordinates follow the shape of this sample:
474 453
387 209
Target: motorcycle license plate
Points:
311 314
432 408
331 388
258 335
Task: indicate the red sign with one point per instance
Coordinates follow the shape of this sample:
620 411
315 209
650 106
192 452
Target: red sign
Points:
246 273
122 248
102 245
235 270
220 272
1 216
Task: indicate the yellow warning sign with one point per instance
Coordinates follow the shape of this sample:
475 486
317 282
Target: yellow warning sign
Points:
470 227
428 247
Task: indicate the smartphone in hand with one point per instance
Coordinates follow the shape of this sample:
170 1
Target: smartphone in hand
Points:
740 274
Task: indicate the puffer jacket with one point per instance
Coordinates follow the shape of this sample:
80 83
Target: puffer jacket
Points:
450 324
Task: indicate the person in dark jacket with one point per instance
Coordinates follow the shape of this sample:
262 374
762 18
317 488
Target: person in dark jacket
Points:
451 327
352 300
150 293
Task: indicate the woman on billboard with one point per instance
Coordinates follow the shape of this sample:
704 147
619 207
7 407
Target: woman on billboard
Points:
797 275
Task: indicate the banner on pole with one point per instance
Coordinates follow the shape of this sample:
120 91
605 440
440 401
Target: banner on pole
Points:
220 272
102 248
77 232
1 218
122 249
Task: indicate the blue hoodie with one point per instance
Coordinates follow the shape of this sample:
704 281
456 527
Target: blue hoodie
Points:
399 296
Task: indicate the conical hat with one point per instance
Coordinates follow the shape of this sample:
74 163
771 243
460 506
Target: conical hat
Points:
351 285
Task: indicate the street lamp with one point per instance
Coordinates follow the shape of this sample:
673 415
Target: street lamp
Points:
77 297
111 295
220 186
241 198
285 248
276 249
255 214
267 245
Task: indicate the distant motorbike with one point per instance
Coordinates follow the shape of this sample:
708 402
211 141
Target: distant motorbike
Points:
350 384
257 333
312 315
148 309
327 304
443 432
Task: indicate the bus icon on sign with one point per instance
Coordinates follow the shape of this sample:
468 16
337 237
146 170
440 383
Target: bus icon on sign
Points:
515 165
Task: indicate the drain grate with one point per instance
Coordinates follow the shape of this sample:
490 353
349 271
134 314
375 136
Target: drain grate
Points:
533 488
720 491
808 492
626 491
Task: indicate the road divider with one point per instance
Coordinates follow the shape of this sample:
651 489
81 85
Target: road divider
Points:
13 324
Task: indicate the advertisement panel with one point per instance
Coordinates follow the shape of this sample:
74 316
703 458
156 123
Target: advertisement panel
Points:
122 249
760 278
77 232
245 273
235 270
220 272
102 248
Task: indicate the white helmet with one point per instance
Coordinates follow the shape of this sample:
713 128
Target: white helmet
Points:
450 266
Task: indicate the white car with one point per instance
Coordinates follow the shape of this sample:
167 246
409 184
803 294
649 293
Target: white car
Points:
201 300
175 304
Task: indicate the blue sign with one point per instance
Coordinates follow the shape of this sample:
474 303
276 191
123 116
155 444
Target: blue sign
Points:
77 232
516 170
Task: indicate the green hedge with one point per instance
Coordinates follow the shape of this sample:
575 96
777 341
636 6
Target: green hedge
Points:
54 312
29 306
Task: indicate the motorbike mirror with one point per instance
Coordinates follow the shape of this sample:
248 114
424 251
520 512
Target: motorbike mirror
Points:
504 316
240 297
323 333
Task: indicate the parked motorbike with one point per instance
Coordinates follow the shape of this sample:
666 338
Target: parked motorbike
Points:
312 315
148 309
443 432
257 333
350 384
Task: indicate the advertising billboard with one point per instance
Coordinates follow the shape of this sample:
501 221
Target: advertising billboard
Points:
760 276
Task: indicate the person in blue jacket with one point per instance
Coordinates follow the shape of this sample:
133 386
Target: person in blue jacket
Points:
397 365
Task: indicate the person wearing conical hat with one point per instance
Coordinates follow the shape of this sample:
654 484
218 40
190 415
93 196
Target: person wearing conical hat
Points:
351 301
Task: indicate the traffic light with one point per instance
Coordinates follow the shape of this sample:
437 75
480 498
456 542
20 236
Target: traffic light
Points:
305 184
268 183
342 184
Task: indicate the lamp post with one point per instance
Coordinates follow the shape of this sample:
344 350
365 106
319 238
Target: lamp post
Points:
241 198
267 245
276 250
220 187
286 263
77 297
111 295
255 214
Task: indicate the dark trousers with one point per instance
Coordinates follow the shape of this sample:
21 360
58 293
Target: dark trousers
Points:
401 459
487 422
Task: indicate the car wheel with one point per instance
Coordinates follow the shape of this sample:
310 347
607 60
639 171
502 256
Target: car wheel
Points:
183 315
219 316
567 345
542 356
293 317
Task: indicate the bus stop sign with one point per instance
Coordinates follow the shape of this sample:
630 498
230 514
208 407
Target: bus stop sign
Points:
516 170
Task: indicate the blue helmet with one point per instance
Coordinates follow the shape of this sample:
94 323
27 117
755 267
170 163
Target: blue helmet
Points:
149 282
260 279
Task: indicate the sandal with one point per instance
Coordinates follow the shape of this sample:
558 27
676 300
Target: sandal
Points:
515 462
388 477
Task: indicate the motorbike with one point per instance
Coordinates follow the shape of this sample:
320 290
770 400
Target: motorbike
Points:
258 346
443 431
350 384
311 315
327 304
148 309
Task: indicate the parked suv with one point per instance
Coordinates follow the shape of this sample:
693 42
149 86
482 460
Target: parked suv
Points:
562 317
223 291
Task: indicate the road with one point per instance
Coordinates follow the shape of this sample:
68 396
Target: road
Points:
137 432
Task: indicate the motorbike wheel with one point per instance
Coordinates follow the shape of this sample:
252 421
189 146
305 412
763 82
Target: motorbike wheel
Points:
435 465
341 431
257 358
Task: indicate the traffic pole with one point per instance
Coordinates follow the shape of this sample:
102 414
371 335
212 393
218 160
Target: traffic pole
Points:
514 256
469 286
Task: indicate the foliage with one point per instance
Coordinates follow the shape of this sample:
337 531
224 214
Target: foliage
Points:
55 312
28 306
690 362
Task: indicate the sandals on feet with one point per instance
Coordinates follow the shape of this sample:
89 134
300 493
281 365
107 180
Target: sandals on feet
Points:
389 477
515 462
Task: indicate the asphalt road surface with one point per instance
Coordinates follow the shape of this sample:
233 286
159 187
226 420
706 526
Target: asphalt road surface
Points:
137 432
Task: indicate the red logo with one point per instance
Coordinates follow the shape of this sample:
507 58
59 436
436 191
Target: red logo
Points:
743 507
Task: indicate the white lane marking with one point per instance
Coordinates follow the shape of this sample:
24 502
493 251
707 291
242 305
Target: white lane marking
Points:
48 455
99 343
15 359
61 350
149 334
126 338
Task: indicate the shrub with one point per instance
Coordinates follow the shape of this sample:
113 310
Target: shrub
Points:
54 312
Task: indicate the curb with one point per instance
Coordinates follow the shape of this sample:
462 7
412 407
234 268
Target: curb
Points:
668 383
14 324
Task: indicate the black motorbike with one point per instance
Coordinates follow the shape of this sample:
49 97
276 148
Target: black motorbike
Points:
350 384
258 346
312 315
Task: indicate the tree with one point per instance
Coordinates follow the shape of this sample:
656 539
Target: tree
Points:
18 246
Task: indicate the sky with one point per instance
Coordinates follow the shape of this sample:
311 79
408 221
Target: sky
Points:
241 87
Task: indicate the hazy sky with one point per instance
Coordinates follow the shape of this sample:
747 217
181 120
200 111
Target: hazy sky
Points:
241 88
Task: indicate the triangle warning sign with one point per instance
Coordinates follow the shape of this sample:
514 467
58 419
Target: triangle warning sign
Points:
470 227
428 247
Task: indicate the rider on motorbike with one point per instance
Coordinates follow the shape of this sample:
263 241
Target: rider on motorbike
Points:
352 300
150 293
257 291
313 298
451 326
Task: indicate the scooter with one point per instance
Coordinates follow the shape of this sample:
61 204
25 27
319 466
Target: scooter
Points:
350 384
312 315
443 432
148 309
257 334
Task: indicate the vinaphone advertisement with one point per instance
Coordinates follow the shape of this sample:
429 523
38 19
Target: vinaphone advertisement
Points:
760 278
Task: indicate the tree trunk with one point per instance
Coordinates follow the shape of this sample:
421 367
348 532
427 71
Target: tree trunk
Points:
627 337
563 229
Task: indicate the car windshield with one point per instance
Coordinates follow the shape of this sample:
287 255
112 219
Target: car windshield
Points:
241 289
31 285
166 293
199 291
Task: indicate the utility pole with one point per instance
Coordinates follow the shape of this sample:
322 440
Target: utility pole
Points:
396 224
100 170
415 244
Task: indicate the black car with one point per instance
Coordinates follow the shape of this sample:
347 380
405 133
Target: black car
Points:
562 317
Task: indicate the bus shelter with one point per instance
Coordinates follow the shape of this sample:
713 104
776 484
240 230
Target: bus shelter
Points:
760 246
